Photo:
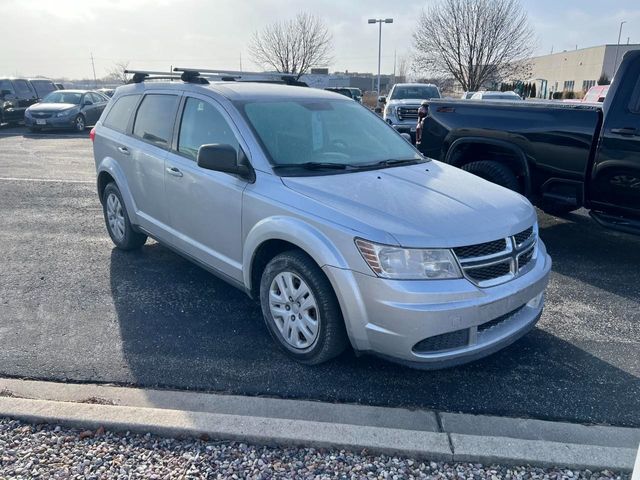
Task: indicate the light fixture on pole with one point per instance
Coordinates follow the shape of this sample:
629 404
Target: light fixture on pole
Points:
615 64
379 21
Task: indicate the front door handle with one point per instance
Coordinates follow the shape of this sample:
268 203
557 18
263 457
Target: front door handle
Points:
174 171
625 131
123 150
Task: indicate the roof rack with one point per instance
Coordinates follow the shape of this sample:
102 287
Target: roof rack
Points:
239 76
140 76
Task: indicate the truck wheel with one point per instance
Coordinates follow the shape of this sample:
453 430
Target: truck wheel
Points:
117 220
494 172
301 310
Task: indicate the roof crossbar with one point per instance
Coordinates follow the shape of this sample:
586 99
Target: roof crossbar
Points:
239 76
142 75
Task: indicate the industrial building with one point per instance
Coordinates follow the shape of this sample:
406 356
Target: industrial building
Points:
576 70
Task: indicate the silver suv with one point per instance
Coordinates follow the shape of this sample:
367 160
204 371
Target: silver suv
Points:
402 104
316 207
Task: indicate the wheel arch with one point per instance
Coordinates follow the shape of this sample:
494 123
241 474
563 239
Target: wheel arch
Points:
110 171
273 235
465 150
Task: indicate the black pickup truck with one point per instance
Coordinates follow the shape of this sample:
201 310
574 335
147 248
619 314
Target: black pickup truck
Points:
562 156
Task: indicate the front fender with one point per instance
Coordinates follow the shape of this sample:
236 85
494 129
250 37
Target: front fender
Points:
111 166
293 230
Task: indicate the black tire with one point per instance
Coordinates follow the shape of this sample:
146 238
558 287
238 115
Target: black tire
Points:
79 124
131 240
331 339
494 172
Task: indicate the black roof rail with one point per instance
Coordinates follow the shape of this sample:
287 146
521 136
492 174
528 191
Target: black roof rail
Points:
142 75
239 76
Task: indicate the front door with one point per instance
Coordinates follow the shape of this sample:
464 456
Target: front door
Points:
615 175
205 206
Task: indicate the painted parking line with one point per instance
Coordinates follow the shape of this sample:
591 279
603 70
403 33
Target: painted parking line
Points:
45 180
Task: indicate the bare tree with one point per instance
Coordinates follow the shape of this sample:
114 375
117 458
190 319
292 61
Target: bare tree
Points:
404 62
475 41
292 46
116 72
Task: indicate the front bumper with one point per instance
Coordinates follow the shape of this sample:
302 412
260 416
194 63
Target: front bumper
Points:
51 122
437 324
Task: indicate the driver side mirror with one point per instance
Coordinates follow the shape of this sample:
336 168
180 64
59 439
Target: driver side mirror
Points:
224 158
87 102
5 92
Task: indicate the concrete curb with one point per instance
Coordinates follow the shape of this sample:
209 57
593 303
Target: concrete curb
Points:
269 421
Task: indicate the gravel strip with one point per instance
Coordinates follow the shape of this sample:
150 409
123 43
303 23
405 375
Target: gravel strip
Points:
45 451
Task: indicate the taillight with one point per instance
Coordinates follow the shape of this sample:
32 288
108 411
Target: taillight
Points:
92 134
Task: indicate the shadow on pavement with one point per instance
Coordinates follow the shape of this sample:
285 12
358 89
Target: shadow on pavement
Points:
183 328
6 131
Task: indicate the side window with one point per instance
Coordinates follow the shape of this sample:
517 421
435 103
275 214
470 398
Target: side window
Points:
120 113
22 88
202 124
154 121
6 85
95 98
634 104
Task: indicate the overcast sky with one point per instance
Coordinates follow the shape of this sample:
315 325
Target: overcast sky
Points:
56 37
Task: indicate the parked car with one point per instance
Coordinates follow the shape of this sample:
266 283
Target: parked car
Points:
16 94
42 86
353 93
107 91
467 95
66 109
403 102
314 206
491 95
561 155
596 94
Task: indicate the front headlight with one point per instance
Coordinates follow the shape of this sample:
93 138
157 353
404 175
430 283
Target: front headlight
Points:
409 263
65 113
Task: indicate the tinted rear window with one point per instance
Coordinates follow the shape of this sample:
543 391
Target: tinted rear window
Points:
155 119
119 115
22 87
43 87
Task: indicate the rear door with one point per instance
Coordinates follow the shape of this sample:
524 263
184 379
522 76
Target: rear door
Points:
143 155
615 175
205 206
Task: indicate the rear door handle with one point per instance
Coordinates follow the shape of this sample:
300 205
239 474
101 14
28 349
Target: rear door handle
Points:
123 150
625 131
174 171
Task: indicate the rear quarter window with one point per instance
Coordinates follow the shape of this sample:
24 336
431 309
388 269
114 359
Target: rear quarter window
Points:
43 87
120 114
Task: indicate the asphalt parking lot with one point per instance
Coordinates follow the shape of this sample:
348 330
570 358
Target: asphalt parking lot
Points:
73 308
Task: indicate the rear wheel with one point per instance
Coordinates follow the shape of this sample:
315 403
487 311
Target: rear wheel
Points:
117 220
301 310
494 172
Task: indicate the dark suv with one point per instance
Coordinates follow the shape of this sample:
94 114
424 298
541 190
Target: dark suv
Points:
16 94
42 86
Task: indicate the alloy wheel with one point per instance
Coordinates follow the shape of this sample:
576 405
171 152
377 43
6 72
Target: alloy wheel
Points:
115 217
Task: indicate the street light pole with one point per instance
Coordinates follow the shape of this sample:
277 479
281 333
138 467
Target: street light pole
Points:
379 21
615 64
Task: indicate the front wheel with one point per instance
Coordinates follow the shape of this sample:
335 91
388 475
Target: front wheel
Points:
117 220
79 124
301 310
494 172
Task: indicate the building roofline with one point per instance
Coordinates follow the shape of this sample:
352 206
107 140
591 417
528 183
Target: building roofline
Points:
637 45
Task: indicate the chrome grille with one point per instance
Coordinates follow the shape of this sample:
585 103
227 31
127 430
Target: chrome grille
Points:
491 263
407 113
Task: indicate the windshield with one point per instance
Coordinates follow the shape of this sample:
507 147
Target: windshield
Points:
419 92
63 97
327 132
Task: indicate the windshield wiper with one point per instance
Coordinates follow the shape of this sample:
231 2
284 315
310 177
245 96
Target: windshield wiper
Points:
390 162
314 166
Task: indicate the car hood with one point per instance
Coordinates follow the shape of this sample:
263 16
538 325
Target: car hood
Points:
51 107
425 205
